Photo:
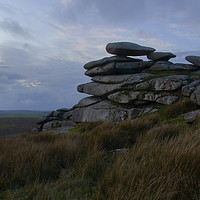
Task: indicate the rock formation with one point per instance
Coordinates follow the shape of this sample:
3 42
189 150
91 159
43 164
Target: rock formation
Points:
123 87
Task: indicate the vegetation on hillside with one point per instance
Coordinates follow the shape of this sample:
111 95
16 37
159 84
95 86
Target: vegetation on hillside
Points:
16 126
156 157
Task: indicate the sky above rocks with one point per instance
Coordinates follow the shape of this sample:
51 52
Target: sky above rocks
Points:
45 43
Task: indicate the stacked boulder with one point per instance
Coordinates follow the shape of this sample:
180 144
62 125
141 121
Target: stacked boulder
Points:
124 87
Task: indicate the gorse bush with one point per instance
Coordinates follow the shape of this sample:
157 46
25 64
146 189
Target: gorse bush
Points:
142 159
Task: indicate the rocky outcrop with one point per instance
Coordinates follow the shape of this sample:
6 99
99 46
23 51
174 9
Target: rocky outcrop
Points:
123 87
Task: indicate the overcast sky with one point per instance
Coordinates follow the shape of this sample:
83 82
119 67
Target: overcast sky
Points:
45 43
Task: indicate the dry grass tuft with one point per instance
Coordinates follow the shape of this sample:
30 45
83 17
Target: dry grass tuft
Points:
179 108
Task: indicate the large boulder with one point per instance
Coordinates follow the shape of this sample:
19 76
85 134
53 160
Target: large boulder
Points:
108 60
106 111
194 60
158 56
128 49
102 89
98 89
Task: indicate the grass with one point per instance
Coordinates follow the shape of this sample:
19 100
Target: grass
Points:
160 160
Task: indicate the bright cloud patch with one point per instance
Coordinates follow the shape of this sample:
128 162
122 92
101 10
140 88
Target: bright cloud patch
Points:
26 83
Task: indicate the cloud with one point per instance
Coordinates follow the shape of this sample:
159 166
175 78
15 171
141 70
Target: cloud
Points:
7 8
13 27
33 82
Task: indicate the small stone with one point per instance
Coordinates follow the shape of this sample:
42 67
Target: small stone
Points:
191 116
167 100
128 49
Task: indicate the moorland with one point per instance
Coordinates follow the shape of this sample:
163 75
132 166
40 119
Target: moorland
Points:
152 158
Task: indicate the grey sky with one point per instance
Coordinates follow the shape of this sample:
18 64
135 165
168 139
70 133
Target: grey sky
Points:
44 44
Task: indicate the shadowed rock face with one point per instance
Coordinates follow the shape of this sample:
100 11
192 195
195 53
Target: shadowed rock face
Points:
124 87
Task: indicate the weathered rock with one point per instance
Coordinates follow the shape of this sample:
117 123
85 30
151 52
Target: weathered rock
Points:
191 116
115 79
194 60
132 67
107 60
168 83
43 120
98 89
188 89
158 56
123 96
149 110
161 66
101 89
101 111
168 66
167 100
104 111
161 97
186 67
88 101
195 96
119 68
150 96
54 124
68 115
58 114
128 49
107 69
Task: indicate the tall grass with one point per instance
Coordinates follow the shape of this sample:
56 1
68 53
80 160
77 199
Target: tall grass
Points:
158 162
